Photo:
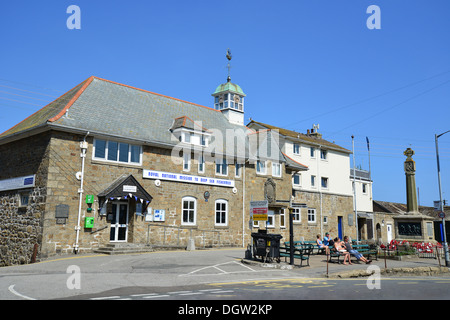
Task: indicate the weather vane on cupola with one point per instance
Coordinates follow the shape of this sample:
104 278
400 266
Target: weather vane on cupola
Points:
228 65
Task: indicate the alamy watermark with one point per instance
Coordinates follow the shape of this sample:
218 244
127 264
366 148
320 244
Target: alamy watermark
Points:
237 145
74 20
74 280
374 280
374 21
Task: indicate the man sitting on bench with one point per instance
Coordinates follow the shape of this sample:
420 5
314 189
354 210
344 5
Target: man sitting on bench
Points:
355 253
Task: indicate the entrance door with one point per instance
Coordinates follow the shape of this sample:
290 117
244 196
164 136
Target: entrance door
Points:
340 227
119 222
389 233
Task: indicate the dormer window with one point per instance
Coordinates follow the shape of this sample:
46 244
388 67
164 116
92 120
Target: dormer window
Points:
194 138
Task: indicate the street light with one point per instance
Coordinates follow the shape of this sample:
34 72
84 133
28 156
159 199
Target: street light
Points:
436 136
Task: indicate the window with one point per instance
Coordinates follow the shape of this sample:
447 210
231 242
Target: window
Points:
297 217
323 154
201 164
364 187
221 167
313 181
283 218
312 152
270 223
186 161
324 182
189 211
221 212
112 150
24 199
311 215
276 169
238 169
296 180
117 152
296 148
261 167
193 138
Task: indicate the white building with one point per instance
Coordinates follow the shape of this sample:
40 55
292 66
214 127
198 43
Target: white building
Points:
327 181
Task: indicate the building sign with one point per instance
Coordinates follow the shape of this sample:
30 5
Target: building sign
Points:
129 188
18 183
259 210
178 177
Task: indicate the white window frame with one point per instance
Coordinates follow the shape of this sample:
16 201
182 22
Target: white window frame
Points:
107 149
238 170
24 199
275 169
312 152
188 210
324 154
299 184
260 164
270 223
283 218
201 163
313 181
221 212
297 214
186 160
312 215
221 166
296 148
327 182
364 188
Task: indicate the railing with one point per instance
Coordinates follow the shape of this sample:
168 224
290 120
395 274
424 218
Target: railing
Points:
182 238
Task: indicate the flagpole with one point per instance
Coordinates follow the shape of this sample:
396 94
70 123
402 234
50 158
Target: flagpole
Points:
368 149
354 190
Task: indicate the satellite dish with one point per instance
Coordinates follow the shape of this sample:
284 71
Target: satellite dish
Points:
157 183
78 175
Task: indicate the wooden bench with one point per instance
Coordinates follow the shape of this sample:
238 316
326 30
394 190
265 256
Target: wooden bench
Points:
334 254
366 250
301 251
315 247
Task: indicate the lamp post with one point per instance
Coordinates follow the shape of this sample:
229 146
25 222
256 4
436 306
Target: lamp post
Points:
436 136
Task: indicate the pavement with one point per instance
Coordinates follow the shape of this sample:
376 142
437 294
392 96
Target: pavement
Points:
101 274
318 267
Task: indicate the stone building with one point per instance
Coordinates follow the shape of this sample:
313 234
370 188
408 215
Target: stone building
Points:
322 196
109 163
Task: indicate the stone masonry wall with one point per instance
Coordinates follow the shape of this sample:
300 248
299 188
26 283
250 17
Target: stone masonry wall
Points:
21 224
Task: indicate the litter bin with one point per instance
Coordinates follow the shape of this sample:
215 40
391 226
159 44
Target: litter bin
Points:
266 245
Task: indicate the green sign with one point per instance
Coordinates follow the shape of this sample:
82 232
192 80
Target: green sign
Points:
89 222
90 199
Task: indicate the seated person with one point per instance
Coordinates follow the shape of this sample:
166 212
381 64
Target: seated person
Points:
326 239
320 244
340 247
354 252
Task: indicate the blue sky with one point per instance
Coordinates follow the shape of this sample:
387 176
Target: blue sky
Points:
299 62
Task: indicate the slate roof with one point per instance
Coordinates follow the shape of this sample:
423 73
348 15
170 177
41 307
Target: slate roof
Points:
116 188
308 139
107 108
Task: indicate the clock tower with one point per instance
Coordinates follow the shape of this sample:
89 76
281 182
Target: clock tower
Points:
229 99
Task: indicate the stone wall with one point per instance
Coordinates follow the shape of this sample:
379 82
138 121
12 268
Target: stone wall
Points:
55 159
21 224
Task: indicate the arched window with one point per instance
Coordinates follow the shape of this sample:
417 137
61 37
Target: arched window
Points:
189 211
221 209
